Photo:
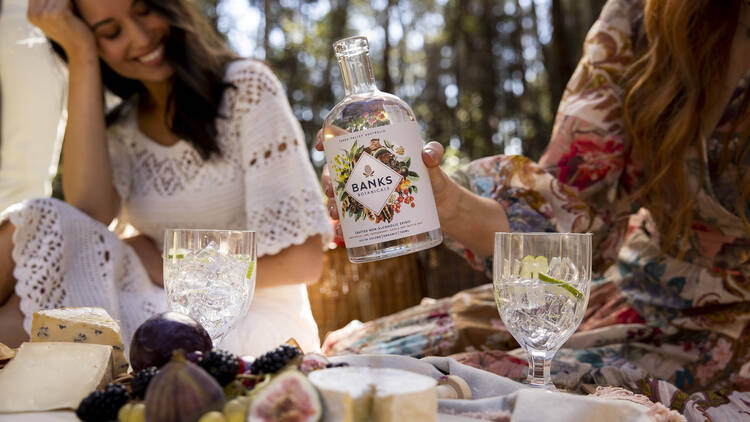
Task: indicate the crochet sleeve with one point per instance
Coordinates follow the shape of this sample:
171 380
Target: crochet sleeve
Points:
283 198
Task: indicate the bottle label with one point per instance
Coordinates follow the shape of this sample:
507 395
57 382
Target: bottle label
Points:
382 187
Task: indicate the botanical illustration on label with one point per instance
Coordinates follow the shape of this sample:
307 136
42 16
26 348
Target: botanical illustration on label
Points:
374 180
377 182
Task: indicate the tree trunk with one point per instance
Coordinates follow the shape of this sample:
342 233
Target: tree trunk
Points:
559 70
387 80
266 28
323 94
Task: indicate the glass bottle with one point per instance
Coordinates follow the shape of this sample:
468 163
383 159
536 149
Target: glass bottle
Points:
373 148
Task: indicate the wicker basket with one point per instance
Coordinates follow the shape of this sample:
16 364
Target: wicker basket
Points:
364 292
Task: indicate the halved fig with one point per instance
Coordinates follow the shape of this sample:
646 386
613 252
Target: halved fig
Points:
289 397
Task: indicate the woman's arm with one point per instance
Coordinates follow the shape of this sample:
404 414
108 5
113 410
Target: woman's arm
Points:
86 173
293 265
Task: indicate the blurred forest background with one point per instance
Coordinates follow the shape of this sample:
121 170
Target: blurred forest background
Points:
483 76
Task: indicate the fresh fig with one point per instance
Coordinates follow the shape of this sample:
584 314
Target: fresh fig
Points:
289 397
181 392
158 337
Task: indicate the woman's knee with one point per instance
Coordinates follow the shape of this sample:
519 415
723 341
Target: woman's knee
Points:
12 333
7 281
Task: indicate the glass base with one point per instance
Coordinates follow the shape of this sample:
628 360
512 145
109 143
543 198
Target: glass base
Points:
530 383
394 248
540 363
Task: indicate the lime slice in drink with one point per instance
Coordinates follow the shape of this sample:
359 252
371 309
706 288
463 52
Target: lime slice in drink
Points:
250 269
568 288
527 267
531 266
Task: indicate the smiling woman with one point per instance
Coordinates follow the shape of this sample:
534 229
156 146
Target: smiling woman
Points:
197 141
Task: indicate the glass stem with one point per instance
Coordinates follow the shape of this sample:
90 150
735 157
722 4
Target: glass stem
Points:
539 370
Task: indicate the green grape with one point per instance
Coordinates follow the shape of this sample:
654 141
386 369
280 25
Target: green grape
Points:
138 413
213 416
123 415
236 409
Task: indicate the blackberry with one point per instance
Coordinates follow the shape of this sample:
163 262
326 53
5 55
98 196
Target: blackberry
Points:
274 360
103 405
221 364
140 382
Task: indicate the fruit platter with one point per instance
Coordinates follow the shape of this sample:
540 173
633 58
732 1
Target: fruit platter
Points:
75 368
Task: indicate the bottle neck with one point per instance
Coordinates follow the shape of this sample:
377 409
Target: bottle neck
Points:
356 71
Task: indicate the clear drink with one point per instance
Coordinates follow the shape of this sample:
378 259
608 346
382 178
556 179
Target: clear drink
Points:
541 285
539 315
373 149
210 275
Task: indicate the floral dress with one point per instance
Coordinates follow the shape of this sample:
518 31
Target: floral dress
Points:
663 326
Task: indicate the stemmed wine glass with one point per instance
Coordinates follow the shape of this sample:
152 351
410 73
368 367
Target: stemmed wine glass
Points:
541 283
210 275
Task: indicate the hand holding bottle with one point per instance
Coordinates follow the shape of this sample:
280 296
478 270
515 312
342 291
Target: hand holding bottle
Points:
56 19
432 154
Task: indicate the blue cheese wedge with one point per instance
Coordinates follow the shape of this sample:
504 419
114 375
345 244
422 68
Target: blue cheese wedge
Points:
47 376
81 325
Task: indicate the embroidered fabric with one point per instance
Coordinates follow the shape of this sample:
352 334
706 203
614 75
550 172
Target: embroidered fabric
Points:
262 181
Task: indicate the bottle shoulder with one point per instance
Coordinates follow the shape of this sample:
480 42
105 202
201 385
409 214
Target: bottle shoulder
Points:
364 111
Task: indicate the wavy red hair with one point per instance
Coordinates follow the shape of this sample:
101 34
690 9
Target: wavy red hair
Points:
677 76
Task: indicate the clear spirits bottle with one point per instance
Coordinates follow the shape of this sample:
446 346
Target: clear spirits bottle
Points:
373 147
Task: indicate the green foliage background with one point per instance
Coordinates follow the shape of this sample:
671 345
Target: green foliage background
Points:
483 76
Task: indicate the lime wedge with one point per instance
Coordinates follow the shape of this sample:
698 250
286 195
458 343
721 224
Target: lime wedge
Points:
570 289
527 268
531 266
540 264
250 268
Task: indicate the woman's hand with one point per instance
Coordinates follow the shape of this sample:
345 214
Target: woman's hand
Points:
149 255
56 19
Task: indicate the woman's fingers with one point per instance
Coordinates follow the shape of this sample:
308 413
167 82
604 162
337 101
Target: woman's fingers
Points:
325 180
319 140
432 154
339 231
332 211
56 19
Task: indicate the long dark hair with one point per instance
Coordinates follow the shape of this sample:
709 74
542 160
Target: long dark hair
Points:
199 58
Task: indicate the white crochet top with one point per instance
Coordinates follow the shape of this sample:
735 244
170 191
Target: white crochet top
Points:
262 181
